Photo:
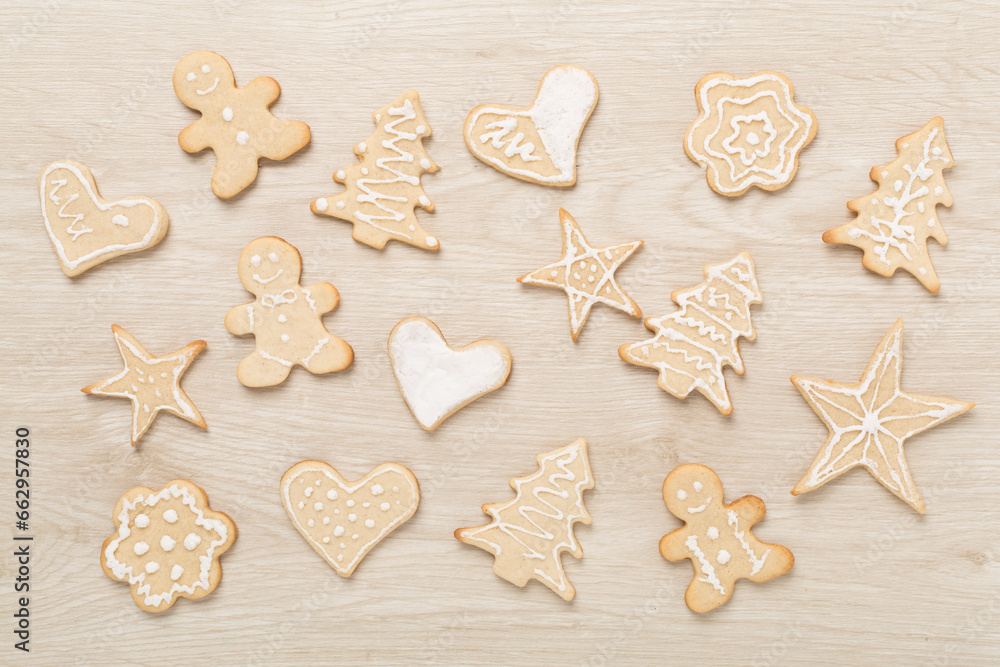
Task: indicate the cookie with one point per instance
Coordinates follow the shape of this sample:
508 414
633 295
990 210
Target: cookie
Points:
869 420
167 544
438 380
749 132
286 318
586 274
341 520
528 534
716 537
85 228
235 122
151 383
537 143
692 345
894 222
384 189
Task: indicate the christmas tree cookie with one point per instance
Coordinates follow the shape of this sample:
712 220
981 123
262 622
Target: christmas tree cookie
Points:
693 345
586 274
383 190
528 534
716 537
894 222
869 421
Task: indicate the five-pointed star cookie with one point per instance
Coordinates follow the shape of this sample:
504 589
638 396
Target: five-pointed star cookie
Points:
869 421
152 383
586 274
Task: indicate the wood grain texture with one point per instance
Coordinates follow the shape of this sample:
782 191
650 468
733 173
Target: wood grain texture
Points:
872 580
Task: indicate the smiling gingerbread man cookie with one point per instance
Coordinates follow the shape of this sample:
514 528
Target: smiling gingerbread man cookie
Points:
235 122
285 318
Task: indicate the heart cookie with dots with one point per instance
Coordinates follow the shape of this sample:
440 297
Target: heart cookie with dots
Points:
86 229
537 143
342 520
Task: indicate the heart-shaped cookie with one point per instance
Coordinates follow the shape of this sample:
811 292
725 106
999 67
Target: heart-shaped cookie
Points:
86 229
537 143
437 380
344 520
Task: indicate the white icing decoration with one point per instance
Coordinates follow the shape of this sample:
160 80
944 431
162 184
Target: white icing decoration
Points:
227 114
175 572
192 541
167 543
141 520
242 137
706 567
140 548
322 204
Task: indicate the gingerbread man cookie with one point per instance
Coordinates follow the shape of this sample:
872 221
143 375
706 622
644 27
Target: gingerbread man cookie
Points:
749 133
716 537
167 544
285 318
235 122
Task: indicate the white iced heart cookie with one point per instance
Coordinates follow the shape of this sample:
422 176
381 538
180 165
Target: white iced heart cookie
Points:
437 380
86 229
344 520
537 143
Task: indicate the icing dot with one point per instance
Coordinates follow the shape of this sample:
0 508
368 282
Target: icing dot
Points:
340 204
369 523
242 138
340 556
140 548
341 175
316 483
191 76
338 531
713 532
554 273
723 557
385 507
283 318
938 191
191 542
332 494
167 543
350 503
342 546
227 114
310 523
322 204
355 536
141 520
431 242
326 520
120 220
302 505
274 258
308 492
170 516
364 171
752 138
318 507
362 147
681 494
205 69
424 201
590 279
255 260
897 186
421 129
698 486
425 163
326 540
352 517
175 572
922 271
152 566
285 338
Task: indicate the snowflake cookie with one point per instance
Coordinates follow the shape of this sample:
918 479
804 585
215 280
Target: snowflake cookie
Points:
285 318
749 132
869 421
87 229
716 537
341 520
586 274
235 122
537 143
895 221
529 533
151 383
167 544
692 345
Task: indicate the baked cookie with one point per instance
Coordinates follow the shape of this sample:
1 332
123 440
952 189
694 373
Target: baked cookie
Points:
528 534
537 143
383 190
692 345
286 318
869 421
749 133
87 229
438 380
167 544
342 520
235 122
586 274
894 222
716 537
151 383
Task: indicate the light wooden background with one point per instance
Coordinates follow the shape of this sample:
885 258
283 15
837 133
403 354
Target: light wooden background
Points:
872 581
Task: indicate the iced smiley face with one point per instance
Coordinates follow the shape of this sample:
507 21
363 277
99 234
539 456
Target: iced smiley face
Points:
687 496
200 75
268 265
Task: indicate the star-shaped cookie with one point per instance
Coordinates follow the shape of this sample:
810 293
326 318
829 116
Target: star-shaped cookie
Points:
586 274
869 420
151 383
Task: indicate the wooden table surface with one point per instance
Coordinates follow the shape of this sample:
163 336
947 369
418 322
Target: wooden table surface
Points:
873 581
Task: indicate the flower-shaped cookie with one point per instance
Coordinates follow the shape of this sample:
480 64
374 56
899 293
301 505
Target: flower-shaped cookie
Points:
167 544
750 132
